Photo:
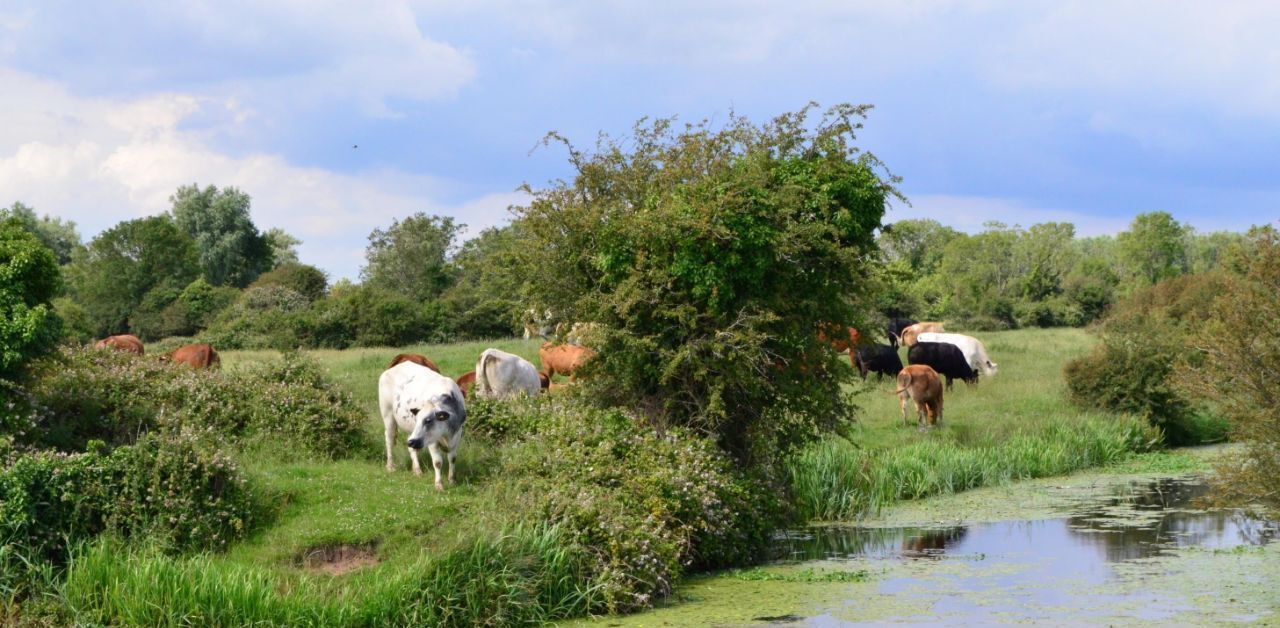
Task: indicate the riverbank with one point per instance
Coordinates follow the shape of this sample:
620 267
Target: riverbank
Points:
1119 545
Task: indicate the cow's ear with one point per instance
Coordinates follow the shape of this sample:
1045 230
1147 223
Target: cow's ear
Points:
414 411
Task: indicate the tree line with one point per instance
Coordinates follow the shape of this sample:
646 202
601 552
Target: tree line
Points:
204 269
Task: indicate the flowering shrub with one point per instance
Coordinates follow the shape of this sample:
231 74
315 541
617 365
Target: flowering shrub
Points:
114 397
644 506
172 491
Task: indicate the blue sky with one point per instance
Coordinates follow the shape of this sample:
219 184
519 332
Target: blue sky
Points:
1015 111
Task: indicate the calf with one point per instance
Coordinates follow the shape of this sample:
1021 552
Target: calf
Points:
920 384
944 358
127 343
841 339
197 356
879 359
465 382
564 359
895 327
500 374
428 406
911 332
974 351
416 359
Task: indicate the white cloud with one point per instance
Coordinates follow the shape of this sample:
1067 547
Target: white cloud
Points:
99 161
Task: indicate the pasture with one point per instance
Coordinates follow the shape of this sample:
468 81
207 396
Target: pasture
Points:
349 540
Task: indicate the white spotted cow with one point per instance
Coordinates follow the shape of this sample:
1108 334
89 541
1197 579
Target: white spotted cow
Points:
428 406
500 375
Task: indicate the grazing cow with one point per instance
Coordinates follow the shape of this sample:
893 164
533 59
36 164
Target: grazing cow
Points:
500 375
945 358
465 382
910 334
564 359
418 359
920 384
429 407
842 339
895 327
544 381
879 359
974 351
123 342
197 356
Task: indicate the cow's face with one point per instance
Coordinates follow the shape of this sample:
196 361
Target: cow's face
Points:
430 418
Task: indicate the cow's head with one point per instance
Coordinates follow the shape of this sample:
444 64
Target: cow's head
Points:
430 417
991 367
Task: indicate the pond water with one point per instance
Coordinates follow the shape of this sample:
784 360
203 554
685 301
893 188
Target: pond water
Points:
1145 553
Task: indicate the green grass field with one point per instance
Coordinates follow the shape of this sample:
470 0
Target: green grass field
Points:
1010 426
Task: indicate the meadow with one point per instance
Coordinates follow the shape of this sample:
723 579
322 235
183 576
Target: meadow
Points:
350 544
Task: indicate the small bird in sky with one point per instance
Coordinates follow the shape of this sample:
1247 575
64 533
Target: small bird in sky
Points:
355 146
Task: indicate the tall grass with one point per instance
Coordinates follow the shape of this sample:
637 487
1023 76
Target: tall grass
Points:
837 480
526 576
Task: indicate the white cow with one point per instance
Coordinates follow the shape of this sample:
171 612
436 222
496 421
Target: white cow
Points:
972 348
429 407
500 374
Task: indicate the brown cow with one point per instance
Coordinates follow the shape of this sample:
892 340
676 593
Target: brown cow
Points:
841 341
544 380
465 382
123 342
921 385
421 360
911 332
197 356
564 359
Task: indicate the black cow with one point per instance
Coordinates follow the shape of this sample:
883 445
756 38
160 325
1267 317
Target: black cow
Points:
945 358
879 359
895 327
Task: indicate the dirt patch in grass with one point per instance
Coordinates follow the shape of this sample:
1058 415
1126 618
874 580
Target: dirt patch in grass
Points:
336 560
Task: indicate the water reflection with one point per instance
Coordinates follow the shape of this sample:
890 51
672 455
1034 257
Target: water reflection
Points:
1139 522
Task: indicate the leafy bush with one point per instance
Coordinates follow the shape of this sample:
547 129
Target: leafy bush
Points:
177 493
306 280
1131 369
710 256
29 279
645 507
265 317
1234 357
114 397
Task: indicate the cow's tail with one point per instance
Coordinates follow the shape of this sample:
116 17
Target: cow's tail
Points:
482 375
904 387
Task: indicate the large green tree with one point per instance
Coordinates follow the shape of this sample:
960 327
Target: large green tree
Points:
917 243
709 257
411 257
231 250
484 299
1154 248
128 261
60 236
29 279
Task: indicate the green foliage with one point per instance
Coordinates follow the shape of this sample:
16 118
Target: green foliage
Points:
710 256
284 247
77 325
484 299
29 279
1235 354
111 397
369 316
644 507
1154 248
58 235
268 316
1143 339
124 263
411 256
308 281
231 250
172 492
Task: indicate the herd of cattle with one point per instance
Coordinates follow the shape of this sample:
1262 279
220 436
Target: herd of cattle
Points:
414 397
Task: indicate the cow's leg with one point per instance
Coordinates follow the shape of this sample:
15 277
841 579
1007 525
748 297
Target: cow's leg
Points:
902 401
417 467
937 406
453 462
436 461
391 441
